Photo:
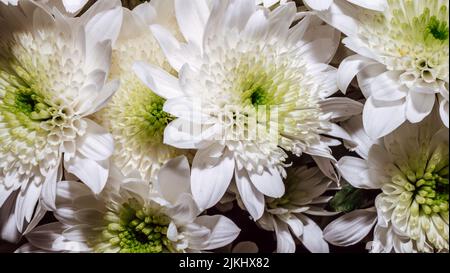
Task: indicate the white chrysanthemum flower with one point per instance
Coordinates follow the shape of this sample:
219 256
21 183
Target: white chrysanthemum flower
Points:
321 5
241 60
135 115
53 73
401 62
287 216
129 216
411 168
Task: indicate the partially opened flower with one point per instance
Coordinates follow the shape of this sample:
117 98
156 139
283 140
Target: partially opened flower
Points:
135 115
410 167
53 76
254 88
401 62
130 216
288 215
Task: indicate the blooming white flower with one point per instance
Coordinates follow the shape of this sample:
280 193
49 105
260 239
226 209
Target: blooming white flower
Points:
53 73
321 5
129 216
411 168
287 216
401 62
134 115
241 59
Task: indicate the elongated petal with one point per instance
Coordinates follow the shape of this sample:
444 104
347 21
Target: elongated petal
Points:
209 184
351 228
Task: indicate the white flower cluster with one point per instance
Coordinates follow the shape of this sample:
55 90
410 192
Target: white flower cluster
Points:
138 124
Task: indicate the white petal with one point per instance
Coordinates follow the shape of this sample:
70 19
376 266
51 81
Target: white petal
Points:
49 188
355 129
159 81
170 46
73 6
185 210
350 228
382 120
378 5
444 111
318 4
223 231
252 198
210 183
349 68
341 107
387 87
173 179
312 237
8 226
257 26
356 172
269 182
418 106
26 203
192 17
93 173
104 26
285 242
96 144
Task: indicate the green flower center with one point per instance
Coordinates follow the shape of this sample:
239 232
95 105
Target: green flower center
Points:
428 182
138 231
438 29
156 118
32 105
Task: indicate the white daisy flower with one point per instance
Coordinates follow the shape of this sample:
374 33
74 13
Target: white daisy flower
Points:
241 60
131 217
401 62
135 115
321 5
53 73
410 167
287 216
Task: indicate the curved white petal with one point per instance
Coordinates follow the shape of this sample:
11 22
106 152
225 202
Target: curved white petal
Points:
419 106
173 179
93 173
356 172
312 237
209 182
159 81
192 17
96 144
381 120
252 198
349 68
223 231
350 228
285 242
269 182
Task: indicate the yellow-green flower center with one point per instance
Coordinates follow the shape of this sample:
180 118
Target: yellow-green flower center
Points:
438 29
137 231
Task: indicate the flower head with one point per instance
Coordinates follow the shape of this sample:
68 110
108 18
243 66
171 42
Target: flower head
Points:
135 114
53 73
132 217
401 61
410 167
287 215
247 91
